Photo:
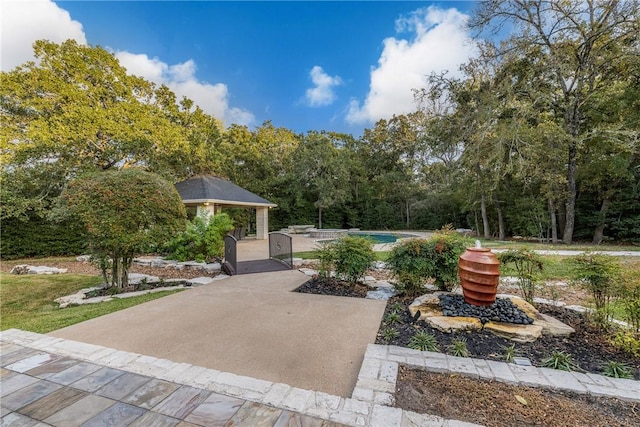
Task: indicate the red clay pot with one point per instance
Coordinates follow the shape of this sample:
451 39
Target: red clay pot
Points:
479 271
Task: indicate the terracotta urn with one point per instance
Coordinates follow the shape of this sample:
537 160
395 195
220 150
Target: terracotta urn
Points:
479 271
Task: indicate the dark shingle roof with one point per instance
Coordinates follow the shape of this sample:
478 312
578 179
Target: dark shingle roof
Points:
214 188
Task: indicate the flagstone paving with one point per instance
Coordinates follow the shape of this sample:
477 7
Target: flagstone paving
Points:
48 381
41 388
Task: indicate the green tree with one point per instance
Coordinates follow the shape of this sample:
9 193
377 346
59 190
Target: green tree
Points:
76 110
322 171
125 212
577 47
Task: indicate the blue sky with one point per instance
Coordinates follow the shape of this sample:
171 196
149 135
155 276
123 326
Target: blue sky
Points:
327 65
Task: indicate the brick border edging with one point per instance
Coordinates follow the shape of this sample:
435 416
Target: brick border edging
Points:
379 372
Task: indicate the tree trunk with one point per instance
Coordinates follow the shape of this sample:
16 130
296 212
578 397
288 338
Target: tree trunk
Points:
554 226
561 218
598 234
501 231
475 216
407 210
320 217
485 218
570 204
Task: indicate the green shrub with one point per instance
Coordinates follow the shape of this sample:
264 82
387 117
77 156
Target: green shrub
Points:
560 360
414 261
203 239
617 370
630 301
527 264
597 274
124 211
349 256
628 341
326 256
458 347
510 353
37 237
424 341
353 257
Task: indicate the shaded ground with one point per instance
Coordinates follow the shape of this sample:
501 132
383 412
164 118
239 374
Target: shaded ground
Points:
495 404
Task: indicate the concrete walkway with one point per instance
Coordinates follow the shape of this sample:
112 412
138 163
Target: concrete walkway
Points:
250 325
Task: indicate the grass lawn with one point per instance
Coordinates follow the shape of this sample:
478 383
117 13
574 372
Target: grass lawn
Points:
26 301
497 244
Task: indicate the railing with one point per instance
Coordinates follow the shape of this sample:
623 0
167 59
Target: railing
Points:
230 264
280 248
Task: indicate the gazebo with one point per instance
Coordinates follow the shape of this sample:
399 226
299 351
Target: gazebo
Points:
209 193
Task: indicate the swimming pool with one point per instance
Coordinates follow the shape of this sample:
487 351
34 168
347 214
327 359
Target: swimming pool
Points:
378 238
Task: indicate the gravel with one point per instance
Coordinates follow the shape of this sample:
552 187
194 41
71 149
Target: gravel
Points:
503 310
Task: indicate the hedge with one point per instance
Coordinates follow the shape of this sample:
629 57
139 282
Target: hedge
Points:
40 238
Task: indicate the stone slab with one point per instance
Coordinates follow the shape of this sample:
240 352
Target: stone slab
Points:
122 386
49 405
518 333
182 402
450 324
29 394
255 415
76 414
216 410
119 414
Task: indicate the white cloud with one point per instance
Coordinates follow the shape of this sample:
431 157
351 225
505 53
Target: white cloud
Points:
322 93
440 43
181 79
24 22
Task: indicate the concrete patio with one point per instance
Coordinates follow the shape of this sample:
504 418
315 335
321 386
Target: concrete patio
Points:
250 325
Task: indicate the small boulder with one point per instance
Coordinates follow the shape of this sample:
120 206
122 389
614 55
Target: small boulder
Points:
30 269
20 269
517 333
428 305
450 324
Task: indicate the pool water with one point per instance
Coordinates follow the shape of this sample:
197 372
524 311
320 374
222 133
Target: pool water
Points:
377 238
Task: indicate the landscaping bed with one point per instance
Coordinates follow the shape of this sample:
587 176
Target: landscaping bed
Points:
497 404
589 346
493 403
78 267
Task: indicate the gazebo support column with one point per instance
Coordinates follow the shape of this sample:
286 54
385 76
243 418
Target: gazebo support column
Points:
206 209
262 223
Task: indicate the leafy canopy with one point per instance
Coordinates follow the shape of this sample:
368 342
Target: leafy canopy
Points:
125 212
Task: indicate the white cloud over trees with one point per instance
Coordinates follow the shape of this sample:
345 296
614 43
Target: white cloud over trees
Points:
181 79
440 42
24 22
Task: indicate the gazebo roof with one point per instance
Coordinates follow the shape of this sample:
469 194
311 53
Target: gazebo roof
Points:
213 189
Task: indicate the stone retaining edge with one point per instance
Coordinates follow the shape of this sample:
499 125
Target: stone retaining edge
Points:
379 372
370 403
352 411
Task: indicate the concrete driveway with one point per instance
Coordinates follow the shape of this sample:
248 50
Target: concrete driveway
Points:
249 325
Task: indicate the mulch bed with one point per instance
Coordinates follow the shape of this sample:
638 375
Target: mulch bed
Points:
588 346
495 404
332 286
